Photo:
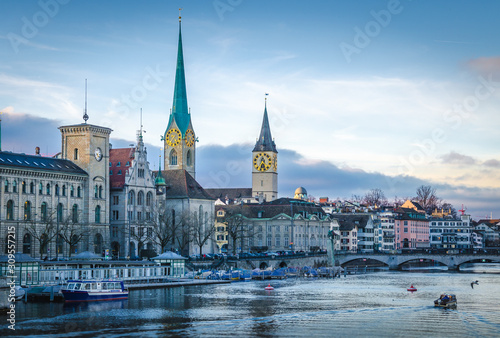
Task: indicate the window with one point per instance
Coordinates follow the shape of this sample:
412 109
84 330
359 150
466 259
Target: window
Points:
119 164
72 191
116 200
139 216
40 189
111 172
127 164
23 187
98 214
119 172
110 164
115 215
32 188
74 213
140 198
59 212
48 188
75 154
14 186
10 210
43 210
57 190
27 244
27 211
189 160
64 190
59 244
100 191
6 189
140 173
79 192
96 191
173 157
131 197
149 199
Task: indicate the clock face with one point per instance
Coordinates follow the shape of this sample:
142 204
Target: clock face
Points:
189 138
262 162
98 154
173 137
275 162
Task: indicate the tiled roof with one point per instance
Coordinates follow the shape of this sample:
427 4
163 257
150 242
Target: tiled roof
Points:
180 184
231 193
117 173
34 162
276 207
347 222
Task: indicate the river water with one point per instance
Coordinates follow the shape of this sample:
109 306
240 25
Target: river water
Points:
363 305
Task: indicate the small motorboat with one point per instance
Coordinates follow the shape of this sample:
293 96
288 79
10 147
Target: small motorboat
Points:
446 300
269 287
92 290
412 288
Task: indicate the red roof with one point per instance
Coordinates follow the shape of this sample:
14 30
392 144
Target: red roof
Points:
119 162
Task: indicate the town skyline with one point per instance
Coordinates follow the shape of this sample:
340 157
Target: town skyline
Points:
357 103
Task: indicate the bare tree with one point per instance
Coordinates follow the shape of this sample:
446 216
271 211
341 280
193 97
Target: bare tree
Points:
72 233
164 228
426 197
43 232
141 233
202 231
182 235
375 197
237 228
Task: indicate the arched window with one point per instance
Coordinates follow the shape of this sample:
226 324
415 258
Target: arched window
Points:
96 191
98 244
32 188
60 245
27 244
23 187
173 157
140 198
10 210
48 188
189 160
131 197
74 213
27 211
59 212
149 199
100 191
98 214
73 247
75 154
40 188
79 192
14 186
71 191
6 189
57 190
43 210
64 190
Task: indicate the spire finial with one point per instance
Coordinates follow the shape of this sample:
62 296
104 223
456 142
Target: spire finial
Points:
265 99
85 116
180 9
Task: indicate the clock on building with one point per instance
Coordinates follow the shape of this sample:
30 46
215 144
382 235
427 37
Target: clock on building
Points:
98 154
262 162
173 137
189 138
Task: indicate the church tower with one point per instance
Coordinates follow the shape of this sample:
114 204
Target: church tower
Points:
265 164
180 139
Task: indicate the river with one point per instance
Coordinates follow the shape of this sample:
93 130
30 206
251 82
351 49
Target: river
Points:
363 305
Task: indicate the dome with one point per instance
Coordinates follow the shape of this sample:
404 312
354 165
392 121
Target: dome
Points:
300 191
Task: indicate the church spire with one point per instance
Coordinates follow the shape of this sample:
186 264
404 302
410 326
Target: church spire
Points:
265 141
180 112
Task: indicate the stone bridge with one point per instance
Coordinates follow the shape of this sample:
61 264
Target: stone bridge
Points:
394 261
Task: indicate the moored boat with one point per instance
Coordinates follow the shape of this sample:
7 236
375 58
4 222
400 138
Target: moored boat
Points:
446 300
92 290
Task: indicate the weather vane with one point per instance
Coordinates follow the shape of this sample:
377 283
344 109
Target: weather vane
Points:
180 9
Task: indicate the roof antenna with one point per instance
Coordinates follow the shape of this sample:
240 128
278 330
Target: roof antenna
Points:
85 116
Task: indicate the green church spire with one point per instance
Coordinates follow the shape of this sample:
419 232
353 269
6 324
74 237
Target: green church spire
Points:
180 112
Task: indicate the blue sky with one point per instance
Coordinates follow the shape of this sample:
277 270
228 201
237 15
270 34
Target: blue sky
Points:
362 95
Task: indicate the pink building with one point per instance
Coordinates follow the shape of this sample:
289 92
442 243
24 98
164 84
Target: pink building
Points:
411 229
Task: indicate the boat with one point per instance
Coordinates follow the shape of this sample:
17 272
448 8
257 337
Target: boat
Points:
19 292
412 288
446 300
92 290
269 288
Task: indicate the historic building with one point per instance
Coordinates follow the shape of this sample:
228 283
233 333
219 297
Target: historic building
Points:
449 233
411 229
58 206
133 202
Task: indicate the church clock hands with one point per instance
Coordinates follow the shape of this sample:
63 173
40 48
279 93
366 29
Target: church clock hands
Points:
173 137
262 162
98 154
189 138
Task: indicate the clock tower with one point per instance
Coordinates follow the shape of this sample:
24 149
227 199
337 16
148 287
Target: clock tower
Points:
265 164
179 138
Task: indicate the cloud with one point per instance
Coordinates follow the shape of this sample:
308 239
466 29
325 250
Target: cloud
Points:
457 159
485 65
492 163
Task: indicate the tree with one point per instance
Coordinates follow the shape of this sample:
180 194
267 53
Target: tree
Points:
375 197
426 197
43 232
141 233
202 231
72 233
182 235
237 228
164 228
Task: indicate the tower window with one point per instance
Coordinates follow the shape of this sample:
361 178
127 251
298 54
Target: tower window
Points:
173 157
189 160
118 164
75 155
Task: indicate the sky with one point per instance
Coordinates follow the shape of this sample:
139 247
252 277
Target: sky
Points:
362 95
